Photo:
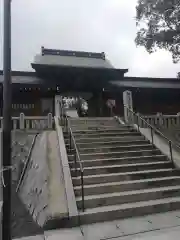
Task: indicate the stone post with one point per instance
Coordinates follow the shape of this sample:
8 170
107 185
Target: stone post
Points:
1 123
27 124
139 122
14 124
50 122
128 105
178 119
160 119
57 103
22 121
156 119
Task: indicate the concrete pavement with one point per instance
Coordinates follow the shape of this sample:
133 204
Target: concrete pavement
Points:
165 226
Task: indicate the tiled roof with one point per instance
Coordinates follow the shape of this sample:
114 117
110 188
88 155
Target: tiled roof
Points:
66 58
22 77
72 61
150 83
19 77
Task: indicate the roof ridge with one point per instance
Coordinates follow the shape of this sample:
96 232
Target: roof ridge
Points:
71 53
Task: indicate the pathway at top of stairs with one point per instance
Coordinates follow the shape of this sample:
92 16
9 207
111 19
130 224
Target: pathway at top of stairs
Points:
124 174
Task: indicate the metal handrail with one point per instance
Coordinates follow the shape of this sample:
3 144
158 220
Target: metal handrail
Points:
26 163
170 142
74 143
163 115
76 158
76 155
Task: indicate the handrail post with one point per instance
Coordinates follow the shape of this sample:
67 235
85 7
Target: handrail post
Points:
170 150
70 142
66 124
138 120
75 163
82 190
152 137
178 119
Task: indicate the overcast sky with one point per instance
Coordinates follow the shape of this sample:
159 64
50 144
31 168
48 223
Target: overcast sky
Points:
88 25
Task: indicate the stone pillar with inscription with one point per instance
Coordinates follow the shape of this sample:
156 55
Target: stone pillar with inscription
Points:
58 101
21 121
128 106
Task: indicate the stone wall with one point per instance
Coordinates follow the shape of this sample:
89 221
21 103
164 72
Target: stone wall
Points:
34 191
43 190
57 196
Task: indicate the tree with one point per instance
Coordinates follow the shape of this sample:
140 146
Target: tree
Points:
178 75
158 23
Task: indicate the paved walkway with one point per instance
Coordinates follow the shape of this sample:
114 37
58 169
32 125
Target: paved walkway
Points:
152 227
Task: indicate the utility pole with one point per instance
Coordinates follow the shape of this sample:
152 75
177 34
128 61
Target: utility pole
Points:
6 132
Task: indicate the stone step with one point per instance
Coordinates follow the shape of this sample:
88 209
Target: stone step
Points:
116 148
97 130
112 143
122 168
106 134
128 196
93 123
126 210
95 189
118 154
107 139
94 127
81 119
93 134
128 176
101 136
78 121
127 160
102 132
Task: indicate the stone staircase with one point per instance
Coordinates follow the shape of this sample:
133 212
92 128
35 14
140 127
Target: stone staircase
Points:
124 174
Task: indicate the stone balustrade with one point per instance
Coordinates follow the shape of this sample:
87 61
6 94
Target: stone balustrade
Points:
159 120
31 122
164 121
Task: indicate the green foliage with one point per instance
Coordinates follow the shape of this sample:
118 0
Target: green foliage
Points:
158 23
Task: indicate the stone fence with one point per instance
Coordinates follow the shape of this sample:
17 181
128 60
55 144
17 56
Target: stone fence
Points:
31 122
159 120
164 121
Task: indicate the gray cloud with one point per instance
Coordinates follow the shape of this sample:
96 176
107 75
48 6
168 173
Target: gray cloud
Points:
89 25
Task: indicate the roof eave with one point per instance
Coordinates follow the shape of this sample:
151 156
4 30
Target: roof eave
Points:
152 79
20 73
36 66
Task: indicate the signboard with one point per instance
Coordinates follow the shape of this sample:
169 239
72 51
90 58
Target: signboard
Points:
128 105
111 103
